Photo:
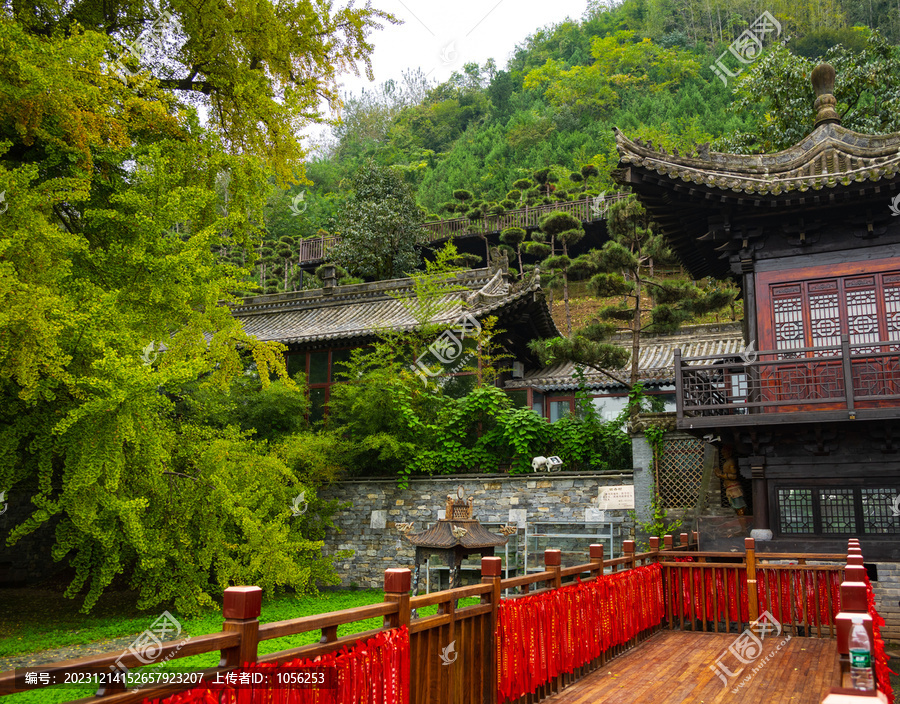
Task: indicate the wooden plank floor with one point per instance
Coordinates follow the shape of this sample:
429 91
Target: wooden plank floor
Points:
674 667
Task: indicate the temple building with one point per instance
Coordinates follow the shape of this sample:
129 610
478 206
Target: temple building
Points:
810 408
321 327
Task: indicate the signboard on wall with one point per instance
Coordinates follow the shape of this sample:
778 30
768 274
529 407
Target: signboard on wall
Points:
611 497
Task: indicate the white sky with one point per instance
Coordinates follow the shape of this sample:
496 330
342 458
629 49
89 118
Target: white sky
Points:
439 37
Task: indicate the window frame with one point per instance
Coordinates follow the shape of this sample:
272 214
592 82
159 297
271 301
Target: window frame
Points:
859 527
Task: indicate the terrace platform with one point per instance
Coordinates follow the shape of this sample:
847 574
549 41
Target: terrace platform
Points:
673 667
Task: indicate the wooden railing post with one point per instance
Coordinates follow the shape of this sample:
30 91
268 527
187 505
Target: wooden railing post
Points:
668 542
654 548
491 573
679 399
848 375
553 563
854 602
684 540
596 553
752 596
241 608
397 583
628 549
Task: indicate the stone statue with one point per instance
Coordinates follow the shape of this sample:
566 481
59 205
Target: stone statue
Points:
729 476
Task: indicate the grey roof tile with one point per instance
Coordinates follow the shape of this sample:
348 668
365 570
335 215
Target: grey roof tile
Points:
657 359
358 311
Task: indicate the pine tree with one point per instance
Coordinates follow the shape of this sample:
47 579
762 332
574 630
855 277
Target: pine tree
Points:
569 230
623 268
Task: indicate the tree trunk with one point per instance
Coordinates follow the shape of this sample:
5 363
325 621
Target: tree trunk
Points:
519 250
566 292
636 331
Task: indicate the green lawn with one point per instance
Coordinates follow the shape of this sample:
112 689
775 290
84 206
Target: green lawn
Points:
33 621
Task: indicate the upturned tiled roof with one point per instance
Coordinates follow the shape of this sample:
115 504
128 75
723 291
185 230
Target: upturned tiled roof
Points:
657 359
829 157
360 311
440 535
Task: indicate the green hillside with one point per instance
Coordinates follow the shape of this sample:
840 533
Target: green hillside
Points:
643 66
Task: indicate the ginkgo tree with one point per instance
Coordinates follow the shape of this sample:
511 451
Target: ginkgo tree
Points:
111 288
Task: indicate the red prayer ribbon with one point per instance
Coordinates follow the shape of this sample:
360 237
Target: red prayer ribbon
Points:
545 635
882 671
374 671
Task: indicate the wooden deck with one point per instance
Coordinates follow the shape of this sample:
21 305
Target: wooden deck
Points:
673 667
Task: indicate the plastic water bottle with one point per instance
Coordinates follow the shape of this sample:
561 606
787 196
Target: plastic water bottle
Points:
860 656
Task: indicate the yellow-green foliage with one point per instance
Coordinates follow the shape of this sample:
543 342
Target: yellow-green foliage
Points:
111 298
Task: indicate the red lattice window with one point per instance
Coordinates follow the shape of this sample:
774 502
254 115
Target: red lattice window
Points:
817 313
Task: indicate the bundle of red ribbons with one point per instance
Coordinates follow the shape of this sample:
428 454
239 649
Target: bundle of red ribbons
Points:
882 671
375 671
545 635
790 596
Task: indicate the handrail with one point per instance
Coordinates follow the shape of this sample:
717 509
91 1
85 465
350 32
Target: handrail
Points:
242 631
529 216
857 601
587 209
825 378
292 627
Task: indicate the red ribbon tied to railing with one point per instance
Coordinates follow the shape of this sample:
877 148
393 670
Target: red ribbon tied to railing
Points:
882 671
373 671
542 636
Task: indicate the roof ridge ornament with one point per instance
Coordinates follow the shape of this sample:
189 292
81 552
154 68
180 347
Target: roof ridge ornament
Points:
823 84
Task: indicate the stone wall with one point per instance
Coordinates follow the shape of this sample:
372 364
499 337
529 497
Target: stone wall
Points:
887 598
367 526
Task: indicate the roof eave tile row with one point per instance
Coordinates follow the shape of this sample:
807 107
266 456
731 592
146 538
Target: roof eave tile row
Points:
829 157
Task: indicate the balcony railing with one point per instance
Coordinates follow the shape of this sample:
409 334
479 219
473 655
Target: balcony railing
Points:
587 210
316 248
805 384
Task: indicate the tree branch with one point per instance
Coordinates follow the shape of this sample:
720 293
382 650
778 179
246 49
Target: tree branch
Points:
611 376
189 83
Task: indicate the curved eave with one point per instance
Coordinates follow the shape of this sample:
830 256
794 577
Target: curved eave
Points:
829 157
440 537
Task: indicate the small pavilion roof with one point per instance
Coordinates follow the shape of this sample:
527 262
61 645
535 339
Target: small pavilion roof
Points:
440 535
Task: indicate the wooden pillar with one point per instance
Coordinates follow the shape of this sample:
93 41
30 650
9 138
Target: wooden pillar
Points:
628 549
596 553
668 542
760 502
684 540
241 608
396 589
553 563
752 596
679 398
491 574
654 548
854 602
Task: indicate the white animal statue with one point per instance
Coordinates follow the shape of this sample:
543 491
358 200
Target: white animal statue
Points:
540 463
547 464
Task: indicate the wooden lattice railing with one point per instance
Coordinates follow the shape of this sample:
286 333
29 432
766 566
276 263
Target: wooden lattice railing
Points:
833 381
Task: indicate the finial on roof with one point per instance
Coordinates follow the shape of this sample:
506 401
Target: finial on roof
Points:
823 83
